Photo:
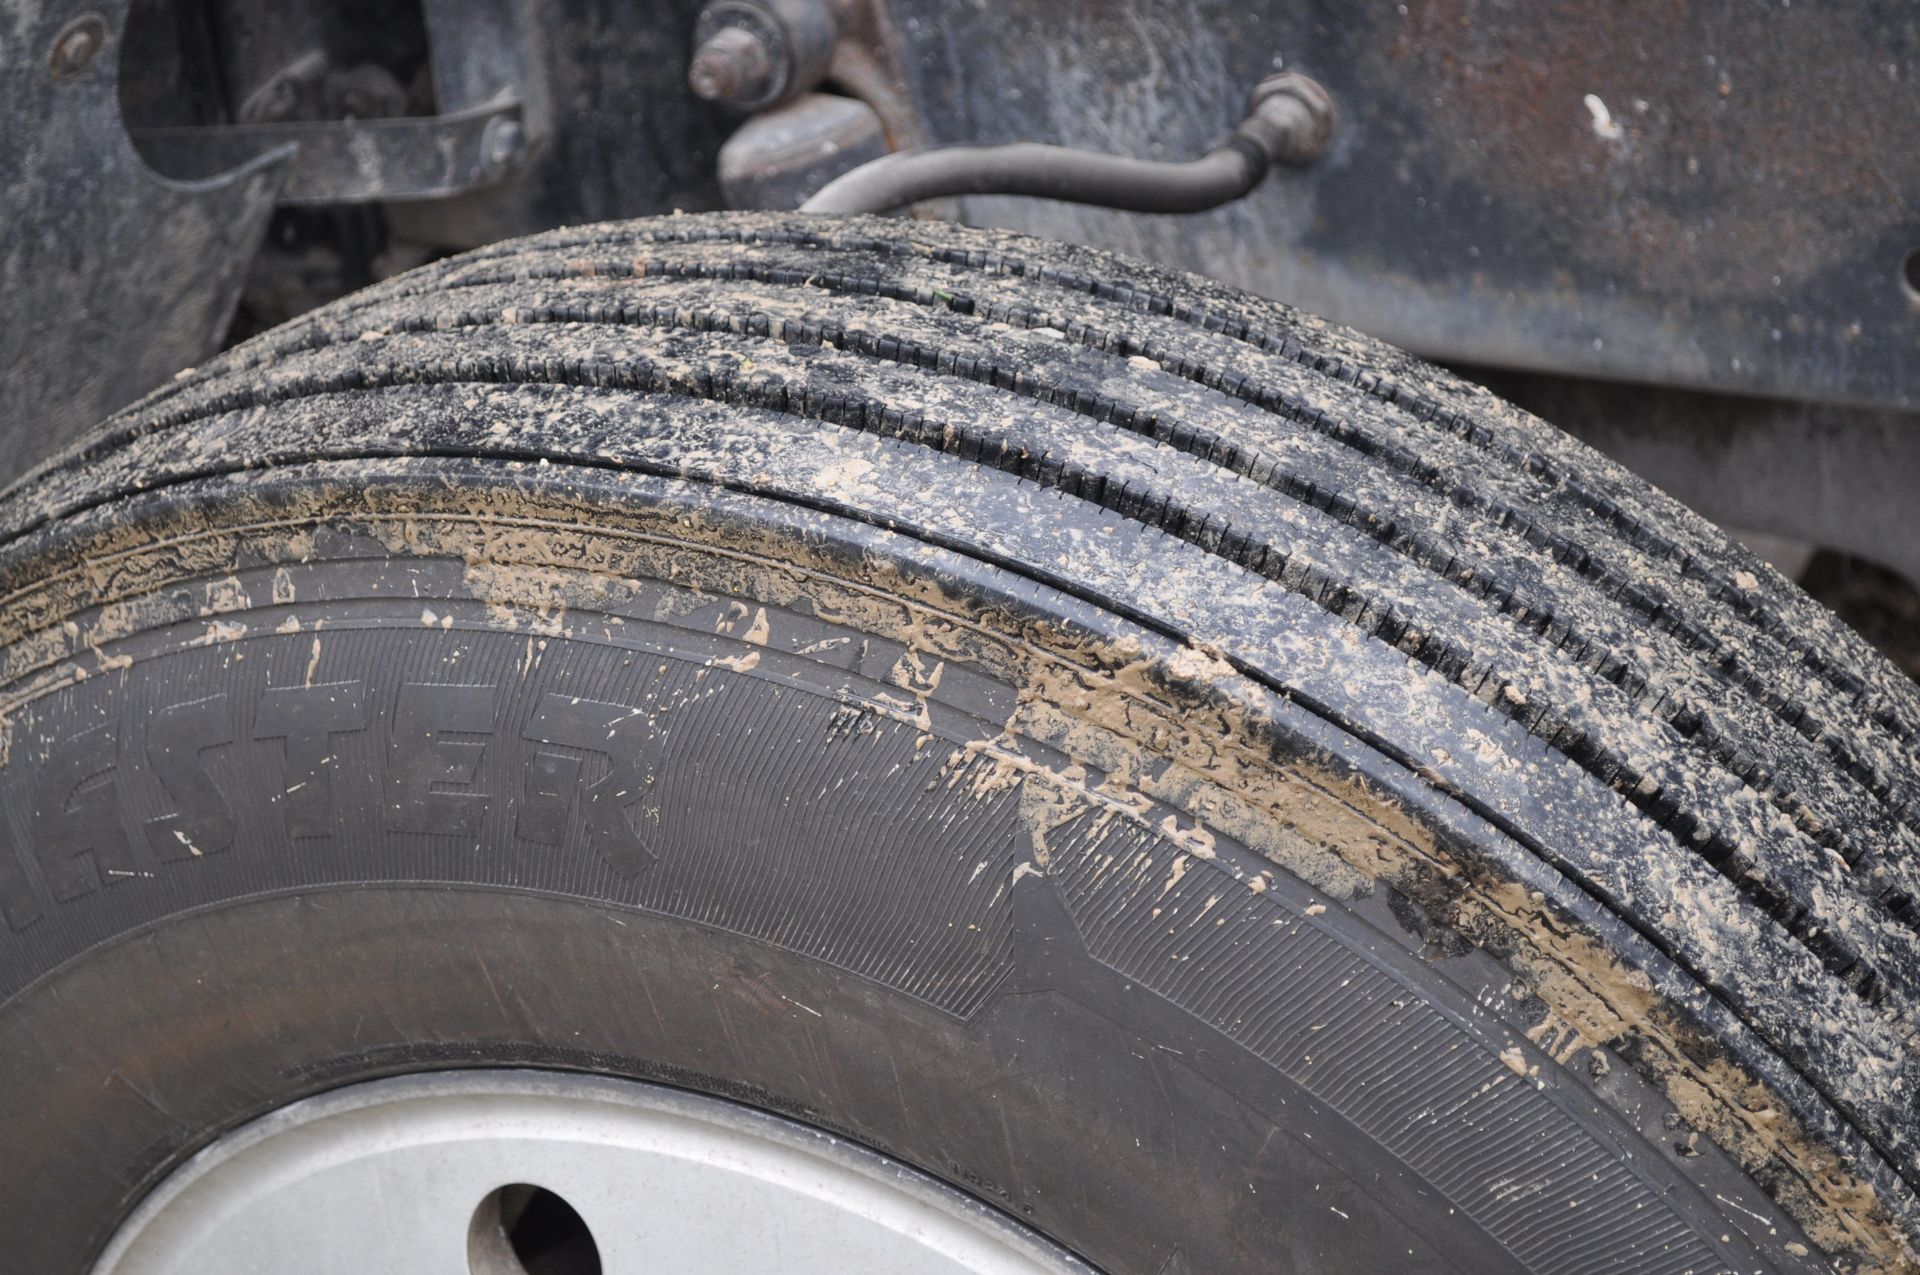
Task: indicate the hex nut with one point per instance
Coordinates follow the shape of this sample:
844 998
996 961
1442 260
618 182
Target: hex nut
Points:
1310 142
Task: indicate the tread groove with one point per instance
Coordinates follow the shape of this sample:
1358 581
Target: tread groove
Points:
1690 725
1656 607
851 410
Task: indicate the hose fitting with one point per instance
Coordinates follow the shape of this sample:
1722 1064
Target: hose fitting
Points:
1290 121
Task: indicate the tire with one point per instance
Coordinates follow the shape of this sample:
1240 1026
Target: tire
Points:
1226 793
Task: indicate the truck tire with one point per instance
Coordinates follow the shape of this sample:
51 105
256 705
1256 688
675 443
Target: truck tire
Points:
1224 793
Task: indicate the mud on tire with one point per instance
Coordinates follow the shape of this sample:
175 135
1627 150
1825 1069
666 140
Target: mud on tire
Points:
1229 794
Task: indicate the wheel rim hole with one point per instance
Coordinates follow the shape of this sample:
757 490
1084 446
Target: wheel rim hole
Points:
522 1229
1910 275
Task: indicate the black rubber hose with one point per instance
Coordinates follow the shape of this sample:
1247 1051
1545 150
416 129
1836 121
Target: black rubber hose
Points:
1286 126
1049 172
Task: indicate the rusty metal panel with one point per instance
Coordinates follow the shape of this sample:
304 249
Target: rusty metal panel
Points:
1720 194
112 278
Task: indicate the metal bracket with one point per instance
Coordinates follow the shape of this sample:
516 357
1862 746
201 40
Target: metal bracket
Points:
343 161
491 112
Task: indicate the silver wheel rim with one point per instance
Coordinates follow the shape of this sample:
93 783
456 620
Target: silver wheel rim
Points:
403 1175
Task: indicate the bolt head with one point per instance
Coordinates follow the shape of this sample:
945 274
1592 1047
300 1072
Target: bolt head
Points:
76 45
713 77
502 144
733 65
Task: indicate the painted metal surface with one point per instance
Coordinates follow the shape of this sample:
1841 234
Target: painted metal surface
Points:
112 278
1723 196
1719 195
401 1177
